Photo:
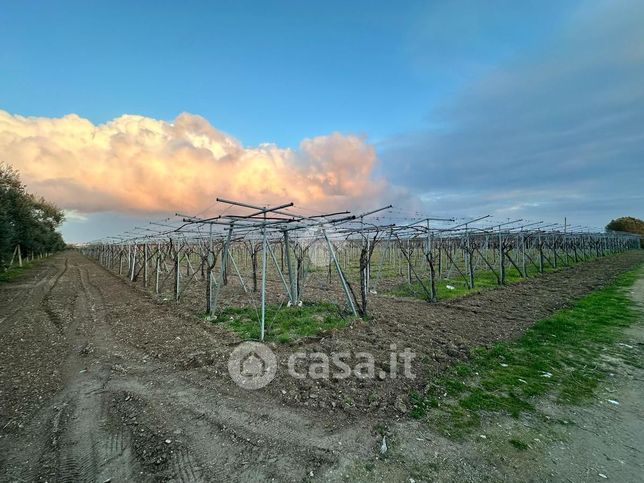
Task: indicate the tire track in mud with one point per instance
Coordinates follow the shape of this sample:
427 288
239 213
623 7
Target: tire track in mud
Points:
33 347
227 436
91 430
240 436
88 447
38 300
74 438
92 444
221 437
162 451
185 467
52 309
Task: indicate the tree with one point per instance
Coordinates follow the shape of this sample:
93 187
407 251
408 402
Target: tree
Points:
25 220
628 224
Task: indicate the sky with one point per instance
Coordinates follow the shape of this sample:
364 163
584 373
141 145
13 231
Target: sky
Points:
127 111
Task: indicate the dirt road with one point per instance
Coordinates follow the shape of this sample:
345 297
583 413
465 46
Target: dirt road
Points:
100 382
78 404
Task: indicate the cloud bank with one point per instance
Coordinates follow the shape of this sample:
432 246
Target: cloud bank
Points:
138 164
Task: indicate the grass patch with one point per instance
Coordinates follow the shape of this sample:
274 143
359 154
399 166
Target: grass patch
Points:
518 444
559 357
483 280
16 271
284 324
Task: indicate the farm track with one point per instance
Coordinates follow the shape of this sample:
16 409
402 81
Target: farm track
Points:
99 381
112 410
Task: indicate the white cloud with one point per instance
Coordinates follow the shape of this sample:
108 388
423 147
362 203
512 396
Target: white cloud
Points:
139 164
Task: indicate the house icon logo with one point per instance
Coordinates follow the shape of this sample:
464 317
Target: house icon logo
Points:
252 365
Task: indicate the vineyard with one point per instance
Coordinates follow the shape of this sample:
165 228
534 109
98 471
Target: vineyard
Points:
276 273
117 355
321 241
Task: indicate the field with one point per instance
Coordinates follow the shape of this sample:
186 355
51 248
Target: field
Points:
334 242
102 379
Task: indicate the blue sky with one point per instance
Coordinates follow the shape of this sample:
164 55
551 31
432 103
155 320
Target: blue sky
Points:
263 71
482 104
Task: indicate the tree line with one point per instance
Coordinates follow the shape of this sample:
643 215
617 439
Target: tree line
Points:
27 223
628 224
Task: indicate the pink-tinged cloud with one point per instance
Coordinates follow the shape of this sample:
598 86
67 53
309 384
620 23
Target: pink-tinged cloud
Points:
139 164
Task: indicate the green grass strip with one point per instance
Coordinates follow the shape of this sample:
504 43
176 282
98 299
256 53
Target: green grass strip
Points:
284 324
559 357
457 287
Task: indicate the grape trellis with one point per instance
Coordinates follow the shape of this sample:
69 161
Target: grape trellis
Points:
279 256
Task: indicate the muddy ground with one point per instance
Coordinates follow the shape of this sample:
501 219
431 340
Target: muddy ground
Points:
99 381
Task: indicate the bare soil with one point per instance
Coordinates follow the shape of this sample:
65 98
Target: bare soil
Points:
99 381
